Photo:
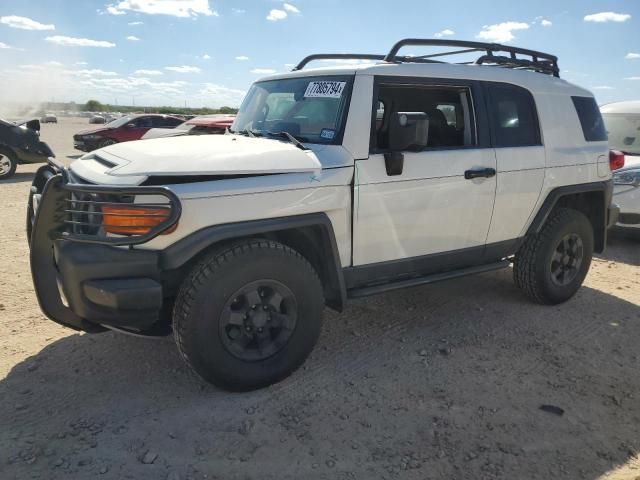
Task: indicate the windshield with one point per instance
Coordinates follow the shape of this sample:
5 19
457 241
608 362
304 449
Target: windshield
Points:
624 132
312 109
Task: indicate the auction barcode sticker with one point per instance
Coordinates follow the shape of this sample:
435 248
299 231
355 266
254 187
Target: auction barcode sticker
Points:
325 89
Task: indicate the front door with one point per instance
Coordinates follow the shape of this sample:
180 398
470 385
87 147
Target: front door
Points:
443 199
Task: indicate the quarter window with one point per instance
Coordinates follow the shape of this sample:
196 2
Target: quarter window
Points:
514 118
590 119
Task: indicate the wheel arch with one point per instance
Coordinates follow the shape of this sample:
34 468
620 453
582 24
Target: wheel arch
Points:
592 199
311 235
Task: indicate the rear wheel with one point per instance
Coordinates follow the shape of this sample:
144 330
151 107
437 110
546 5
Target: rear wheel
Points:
249 315
551 266
8 164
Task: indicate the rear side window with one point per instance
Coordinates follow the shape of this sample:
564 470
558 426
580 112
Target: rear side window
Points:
514 117
590 119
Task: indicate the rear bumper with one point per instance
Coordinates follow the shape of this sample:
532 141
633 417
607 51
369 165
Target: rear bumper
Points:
86 285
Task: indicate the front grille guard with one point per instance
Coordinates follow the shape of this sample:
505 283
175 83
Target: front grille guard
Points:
78 210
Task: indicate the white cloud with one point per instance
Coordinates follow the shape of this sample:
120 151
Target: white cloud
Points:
238 11
81 63
206 56
78 42
444 33
4 46
94 72
133 24
607 17
602 87
632 56
114 11
183 69
546 23
132 38
175 8
220 95
275 15
632 78
501 32
25 23
290 8
148 72
263 71
53 63
242 58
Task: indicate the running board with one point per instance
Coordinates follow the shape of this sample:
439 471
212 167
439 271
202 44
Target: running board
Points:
437 277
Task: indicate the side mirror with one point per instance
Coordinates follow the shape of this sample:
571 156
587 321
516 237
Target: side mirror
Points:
408 131
131 125
33 125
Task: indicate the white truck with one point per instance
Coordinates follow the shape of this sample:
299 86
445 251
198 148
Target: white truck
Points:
332 183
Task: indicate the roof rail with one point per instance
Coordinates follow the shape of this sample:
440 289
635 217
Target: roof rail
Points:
539 61
336 56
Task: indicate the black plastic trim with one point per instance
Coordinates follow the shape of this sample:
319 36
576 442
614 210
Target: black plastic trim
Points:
427 279
606 187
394 271
181 252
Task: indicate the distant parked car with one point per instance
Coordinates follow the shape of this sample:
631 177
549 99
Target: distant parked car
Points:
49 118
125 129
20 143
206 124
622 120
97 119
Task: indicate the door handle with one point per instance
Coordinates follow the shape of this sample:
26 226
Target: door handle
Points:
480 173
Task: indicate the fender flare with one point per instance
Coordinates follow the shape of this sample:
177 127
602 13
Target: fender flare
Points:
184 250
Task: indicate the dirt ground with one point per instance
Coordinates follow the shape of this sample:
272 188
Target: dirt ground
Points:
436 382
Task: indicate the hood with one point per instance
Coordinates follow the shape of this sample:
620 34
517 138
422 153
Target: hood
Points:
196 155
89 131
164 132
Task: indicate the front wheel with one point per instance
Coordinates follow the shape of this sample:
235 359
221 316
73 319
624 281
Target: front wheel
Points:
8 165
249 315
551 266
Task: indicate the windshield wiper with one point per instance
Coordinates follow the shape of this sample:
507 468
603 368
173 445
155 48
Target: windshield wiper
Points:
284 134
246 132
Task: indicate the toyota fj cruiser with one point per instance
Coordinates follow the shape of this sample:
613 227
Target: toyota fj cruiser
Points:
332 183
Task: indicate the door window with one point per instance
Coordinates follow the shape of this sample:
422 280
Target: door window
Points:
448 110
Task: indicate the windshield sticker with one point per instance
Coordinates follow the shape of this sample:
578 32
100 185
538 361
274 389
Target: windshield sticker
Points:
328 133
325 89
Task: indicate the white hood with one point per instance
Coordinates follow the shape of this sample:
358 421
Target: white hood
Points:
196 155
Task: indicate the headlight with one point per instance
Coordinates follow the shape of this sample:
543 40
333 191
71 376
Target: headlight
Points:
627 177
91 137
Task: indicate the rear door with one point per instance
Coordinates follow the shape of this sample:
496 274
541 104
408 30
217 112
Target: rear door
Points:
520 156
431 207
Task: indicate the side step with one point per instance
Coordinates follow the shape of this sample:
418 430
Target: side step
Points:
437 277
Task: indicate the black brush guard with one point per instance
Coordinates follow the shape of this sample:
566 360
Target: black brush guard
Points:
69 250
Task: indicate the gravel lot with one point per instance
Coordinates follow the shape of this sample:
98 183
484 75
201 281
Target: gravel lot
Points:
437 382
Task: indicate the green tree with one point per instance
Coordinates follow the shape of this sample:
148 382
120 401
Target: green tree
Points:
93 106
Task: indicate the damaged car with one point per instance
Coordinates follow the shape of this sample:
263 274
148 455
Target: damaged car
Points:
20 143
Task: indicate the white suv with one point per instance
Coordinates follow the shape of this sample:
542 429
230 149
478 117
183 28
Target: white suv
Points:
332 183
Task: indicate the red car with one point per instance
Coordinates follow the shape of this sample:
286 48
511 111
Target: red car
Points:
202 125
125 129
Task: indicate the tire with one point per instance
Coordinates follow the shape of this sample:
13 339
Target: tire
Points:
551 266
8 164
106 142
217 330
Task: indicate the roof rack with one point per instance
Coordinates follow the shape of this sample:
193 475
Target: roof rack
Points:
493 55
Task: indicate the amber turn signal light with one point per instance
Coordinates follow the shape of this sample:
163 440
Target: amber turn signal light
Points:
132 220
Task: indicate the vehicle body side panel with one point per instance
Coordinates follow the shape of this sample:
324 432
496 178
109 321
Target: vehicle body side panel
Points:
205 204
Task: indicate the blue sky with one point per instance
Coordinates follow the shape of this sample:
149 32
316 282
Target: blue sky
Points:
207 52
